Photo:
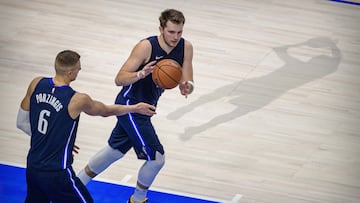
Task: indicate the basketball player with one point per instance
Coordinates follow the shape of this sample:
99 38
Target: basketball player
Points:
134 130
50 113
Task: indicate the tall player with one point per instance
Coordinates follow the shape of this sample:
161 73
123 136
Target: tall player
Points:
134 130
50 113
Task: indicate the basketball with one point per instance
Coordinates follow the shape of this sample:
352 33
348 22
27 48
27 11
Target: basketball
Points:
167 73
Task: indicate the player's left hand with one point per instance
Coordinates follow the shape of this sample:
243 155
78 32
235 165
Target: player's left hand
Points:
186 88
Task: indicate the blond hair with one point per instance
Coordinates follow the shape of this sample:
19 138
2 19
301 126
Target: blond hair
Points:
172 15
66 60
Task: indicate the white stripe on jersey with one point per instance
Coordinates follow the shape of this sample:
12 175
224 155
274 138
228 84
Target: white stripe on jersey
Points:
67 145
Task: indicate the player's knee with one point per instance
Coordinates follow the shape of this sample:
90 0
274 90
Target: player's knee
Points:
113 154
159 161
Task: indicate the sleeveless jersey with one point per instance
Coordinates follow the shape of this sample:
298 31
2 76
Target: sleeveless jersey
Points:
145 90
53 130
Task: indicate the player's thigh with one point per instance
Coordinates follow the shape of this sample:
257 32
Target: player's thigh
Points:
71 189
35 195
144 137
34 192
119 138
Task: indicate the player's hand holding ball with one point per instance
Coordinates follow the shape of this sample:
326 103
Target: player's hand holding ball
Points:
146 70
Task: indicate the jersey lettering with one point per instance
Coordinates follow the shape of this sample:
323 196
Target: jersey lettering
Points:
50 99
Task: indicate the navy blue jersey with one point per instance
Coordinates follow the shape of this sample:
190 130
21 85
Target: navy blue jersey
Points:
53 130
145 90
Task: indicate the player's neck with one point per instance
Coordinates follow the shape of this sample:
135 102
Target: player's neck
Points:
60 81
164 45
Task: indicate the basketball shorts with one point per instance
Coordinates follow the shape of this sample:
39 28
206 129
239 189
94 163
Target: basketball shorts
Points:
55 186
135 130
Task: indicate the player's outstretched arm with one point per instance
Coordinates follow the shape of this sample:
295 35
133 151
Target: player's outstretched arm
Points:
83 103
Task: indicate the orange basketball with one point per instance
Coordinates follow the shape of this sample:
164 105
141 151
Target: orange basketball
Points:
167 73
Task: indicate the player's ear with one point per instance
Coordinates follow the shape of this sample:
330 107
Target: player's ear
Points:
70 72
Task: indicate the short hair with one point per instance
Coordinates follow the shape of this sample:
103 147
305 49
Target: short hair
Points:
172 15
65 60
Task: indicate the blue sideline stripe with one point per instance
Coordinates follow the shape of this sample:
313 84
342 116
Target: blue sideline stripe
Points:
347 2
13 189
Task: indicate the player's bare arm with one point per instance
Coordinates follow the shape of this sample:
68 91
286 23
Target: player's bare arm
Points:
128 73
187 83
23 116
83 103
25 103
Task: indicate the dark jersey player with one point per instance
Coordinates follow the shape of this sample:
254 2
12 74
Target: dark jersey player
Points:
50 113
134 130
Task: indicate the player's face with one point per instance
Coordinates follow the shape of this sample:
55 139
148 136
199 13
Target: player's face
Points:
172 33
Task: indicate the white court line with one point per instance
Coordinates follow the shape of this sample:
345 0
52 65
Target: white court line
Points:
126 179
236 198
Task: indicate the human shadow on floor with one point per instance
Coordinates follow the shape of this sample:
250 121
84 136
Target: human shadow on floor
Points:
252 94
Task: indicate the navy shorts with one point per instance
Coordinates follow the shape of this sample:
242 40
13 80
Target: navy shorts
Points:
55 186
135 130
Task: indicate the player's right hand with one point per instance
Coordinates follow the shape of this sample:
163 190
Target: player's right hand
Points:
146 70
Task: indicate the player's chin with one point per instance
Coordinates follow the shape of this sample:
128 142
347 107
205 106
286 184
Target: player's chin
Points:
174 43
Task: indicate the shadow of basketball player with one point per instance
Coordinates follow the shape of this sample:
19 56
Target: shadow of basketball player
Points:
253 94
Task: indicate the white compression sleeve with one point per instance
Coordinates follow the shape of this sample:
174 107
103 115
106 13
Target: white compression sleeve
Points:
103 159
23 121
99 162
147 175
150 169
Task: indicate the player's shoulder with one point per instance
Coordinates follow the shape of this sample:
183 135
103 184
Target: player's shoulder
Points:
81 98
142 49
187 44
143 44
34 82
79 101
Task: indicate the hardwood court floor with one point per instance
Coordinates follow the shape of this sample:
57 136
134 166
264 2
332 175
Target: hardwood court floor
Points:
275 113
